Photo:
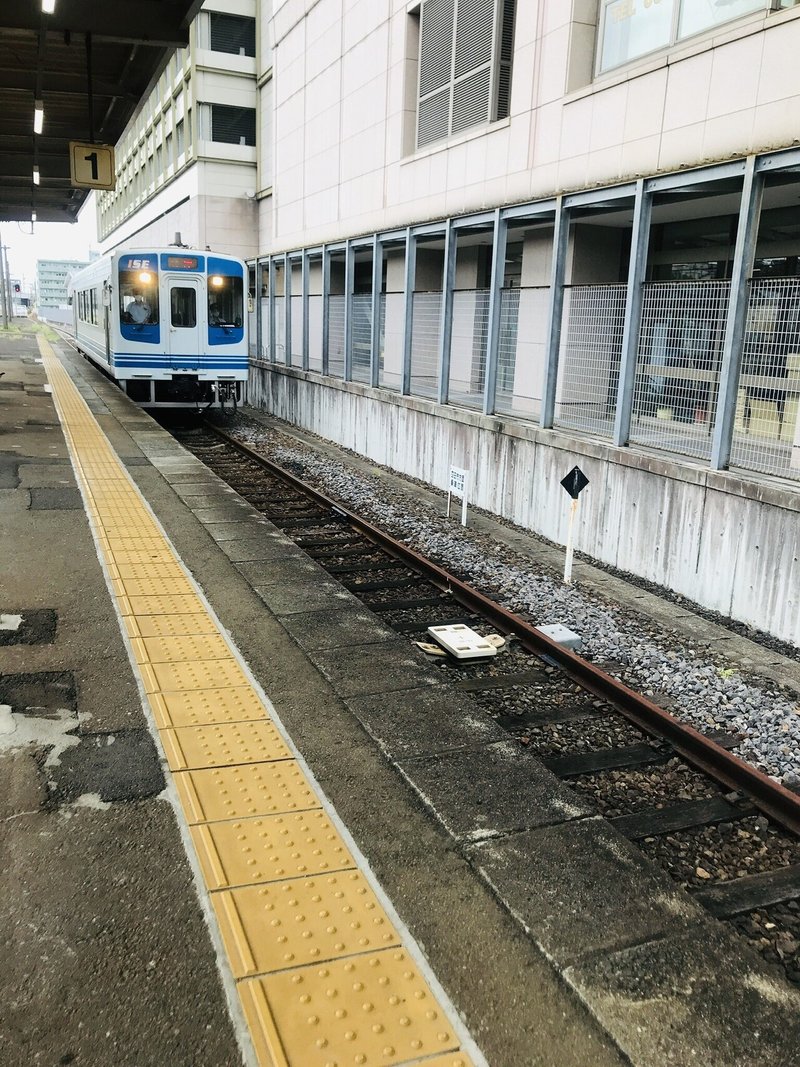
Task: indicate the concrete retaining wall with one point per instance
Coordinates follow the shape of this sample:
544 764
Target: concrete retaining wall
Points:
725 542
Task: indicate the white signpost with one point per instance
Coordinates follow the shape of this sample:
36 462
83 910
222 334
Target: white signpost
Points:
457 486
574 483
91 166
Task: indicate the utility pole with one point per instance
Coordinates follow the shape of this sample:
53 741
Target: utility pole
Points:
3 284
9 296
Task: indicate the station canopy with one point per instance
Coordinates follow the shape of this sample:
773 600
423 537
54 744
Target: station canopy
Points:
85 50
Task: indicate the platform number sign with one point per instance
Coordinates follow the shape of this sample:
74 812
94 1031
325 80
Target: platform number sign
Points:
574 483
91 165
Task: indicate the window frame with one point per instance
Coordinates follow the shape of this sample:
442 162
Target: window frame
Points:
767 7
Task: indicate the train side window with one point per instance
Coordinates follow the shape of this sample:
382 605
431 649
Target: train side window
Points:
183 307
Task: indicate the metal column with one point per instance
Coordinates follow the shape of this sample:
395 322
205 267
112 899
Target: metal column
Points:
287 309
326 292
349 276
273 347
305 295
637 268
259 326
556 312
408 311
495 298
446 320
375 314
743 257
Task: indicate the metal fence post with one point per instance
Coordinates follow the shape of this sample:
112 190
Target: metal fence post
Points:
495 299
637 269
408 310
305 296
257 302
743 257
287 309
326 292
446 318
556 312
375 316
349 276
273 347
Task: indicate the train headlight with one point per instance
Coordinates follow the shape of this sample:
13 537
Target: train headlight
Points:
145 277
216 280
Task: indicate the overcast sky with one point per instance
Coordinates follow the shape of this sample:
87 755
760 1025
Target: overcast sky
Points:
49 240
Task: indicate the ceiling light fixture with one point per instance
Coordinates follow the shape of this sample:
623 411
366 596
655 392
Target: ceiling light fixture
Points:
48 6
38 116
36 178
33 216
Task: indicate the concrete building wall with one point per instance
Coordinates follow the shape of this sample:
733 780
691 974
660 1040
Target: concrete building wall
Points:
344 90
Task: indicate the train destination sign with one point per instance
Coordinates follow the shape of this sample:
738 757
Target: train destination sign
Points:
91 166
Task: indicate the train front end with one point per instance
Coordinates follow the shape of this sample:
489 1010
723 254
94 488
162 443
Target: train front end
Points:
181 328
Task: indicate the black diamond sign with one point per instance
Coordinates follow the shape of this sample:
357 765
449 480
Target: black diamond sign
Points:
575 482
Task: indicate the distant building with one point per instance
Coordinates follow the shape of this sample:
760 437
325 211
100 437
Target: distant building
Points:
187 160
52 278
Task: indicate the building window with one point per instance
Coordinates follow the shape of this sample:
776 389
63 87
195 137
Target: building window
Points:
232 34
233 125
633 28
465 54
179 137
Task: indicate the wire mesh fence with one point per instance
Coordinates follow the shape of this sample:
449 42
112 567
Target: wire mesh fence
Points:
522 351
264 312
390 367
468 347
425 344
678 366
766 434
296 303
589 357
362 337
315 333
280 329
336 336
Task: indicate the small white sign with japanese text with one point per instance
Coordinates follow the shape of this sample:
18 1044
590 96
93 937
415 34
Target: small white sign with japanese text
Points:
457 486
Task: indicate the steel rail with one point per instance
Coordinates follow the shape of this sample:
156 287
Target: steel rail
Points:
771 797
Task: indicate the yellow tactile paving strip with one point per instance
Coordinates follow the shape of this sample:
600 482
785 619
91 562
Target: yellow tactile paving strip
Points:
322 974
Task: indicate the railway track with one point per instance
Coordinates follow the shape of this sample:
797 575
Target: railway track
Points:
724 829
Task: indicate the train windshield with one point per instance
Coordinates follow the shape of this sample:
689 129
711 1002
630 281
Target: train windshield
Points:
138 296
225 300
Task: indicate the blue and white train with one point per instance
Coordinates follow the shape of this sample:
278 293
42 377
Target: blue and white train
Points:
168 324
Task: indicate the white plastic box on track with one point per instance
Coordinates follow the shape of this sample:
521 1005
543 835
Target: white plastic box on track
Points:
462 642
563 636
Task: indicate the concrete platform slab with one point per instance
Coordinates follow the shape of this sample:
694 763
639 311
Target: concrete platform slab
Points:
582 888
425 720
508 791
696 998
346 626
382 668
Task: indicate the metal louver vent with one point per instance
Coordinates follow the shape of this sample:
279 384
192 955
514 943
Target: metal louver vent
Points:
471 100
233 34
436 45
434 118
233 125
465 54
474 35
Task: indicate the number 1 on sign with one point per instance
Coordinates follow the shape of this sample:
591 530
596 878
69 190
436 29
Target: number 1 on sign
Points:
92 158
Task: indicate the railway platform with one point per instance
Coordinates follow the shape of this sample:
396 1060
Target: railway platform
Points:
240 821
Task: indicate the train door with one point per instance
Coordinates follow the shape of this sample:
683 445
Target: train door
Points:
183 336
